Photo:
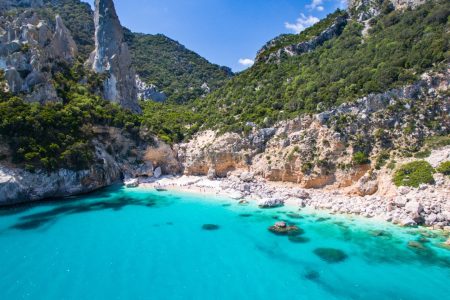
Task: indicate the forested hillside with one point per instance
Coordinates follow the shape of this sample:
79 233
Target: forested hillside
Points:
159 60
397 48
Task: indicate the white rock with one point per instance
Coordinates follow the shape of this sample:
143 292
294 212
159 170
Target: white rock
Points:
414 207
270 203
131 183
158 172
247 176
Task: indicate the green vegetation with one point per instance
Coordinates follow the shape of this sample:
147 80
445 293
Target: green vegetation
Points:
172 123
423 154
360 158
306 35
436 142
177 71
58 135
444 168
414 174
400 46
382 159
78 18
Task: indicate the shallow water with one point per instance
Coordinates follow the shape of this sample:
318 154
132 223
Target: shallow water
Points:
138 244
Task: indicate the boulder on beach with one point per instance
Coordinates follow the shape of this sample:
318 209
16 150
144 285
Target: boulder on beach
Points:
158 172
331 255
270 203
131 183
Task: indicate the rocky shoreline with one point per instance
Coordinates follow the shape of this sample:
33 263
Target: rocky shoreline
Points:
427 205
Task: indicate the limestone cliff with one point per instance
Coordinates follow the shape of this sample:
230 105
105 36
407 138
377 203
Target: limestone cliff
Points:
118 155
319 151
8 4
332 31
29 48
111 57
362 10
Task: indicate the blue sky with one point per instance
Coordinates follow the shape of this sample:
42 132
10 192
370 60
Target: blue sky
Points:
226 32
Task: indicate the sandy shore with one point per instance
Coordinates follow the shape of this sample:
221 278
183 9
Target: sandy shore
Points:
411 207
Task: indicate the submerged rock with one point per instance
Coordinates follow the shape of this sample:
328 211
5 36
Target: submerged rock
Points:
245 215
294 216
281 228
210 227
331 255
312 275
299 239
416 245
446 245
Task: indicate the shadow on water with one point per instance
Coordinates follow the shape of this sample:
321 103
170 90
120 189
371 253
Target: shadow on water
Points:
98 201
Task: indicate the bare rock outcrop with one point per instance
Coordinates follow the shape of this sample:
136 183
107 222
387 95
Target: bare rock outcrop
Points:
304 47
8 4
149 91
118 155
321 151
112 57
63 46
362 10
29 47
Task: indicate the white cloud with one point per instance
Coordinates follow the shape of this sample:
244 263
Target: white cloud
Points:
247 62
302 23
316 4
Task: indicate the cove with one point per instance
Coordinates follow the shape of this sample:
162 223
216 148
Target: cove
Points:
142 244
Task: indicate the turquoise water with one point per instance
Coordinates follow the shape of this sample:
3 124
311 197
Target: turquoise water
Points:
137 244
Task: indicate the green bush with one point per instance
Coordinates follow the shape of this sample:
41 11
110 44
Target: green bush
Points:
444 168
414 174
423 154
360 158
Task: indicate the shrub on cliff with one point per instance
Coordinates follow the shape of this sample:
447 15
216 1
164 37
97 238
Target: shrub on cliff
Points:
444 168
360 158
414 174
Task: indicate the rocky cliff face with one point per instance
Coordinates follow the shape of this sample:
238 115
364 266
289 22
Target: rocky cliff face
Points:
304 47
8 4
318 151
29 48
362 10
149 91
112 57
118 155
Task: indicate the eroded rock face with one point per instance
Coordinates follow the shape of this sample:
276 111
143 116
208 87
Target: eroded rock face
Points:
362 10
17 185
149 91
29 48
8 4
63 46
317 151
297 49
118 155
111 56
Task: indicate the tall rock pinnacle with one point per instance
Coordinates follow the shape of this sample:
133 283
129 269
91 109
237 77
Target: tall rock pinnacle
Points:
63 44
111 56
